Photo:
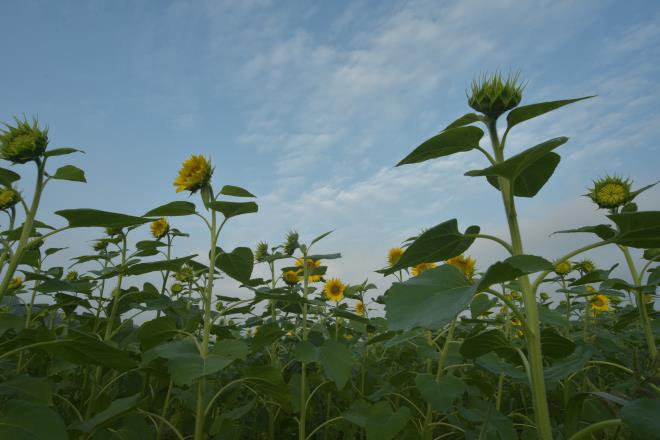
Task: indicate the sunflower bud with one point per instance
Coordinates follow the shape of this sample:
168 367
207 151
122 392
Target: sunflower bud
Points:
261 252
291 242
72 276
562 268
100 245
544 296
610 192
585 266
23 142
111 232
176 288
15 283
185 274
493 95
8 198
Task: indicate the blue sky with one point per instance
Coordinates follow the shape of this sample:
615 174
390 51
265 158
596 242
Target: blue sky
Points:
310 104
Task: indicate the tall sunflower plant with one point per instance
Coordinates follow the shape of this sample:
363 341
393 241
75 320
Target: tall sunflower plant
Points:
435 298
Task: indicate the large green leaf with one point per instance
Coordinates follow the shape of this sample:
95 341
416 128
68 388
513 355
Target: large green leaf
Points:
641 416
235 191
172 209
450 141
35 389
88 218
533 177
439 243
69 172
378 419
336 361
466 119
91 351
7 177
440 394
115 409
430 300
532 166
483 343
512 268
604 232
62 151
237 264
232 209
152 333
525 112
555 345
152 266
637 229
22 420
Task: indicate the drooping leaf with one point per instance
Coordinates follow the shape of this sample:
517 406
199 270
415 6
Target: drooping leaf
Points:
336 361
237 264
604 232
232 209
430 300
512 268
235 191
439 243
23 420
483 343
440 394
450 141
533 177
115 409
7 177
641 416
90 351
69 172
152 333
555 345
637 229
88 218
35 389
153 266
379 420
525 112
172 209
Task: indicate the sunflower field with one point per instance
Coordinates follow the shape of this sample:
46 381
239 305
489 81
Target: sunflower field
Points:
133 340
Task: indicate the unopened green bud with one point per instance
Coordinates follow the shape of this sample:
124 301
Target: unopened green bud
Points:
176 288
72 276
291 243
261 252
610 192
23 142
494 95
8 198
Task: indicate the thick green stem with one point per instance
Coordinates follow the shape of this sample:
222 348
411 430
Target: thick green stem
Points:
532 335
303 365
641 305
25 232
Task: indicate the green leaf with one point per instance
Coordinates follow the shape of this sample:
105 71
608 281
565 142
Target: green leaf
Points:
152 333
238 264
320 237
525 112
62 151
440 394
555 345
232 209
91 351
513 268
483 343
172 265
306 352
266 335
379 420
654 276
466 119
89 218
22 420
439 243
430 300
172 209
480 304
516 165
7 177
604 232
9 322
450 141
552 317
235 191
268 381
595 276
336 361
69 172
637 229
35 389
641 416
115 409
533 177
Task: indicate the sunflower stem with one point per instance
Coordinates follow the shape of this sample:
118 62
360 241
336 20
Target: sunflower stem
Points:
303 365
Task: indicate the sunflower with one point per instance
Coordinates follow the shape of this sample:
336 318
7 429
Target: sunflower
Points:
159 228
600 303
334 289
610 192
359 308
311 266
194 174
290 277
422 267
465 264
393 255
563 267
15 283
8 198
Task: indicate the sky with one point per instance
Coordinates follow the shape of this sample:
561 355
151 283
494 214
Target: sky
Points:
310 104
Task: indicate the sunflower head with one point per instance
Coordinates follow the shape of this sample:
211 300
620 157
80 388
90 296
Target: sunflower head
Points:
311 266
544 296
359 308
563 267
334 289
194 174
422 267
176 288
15 283
585 266
23 142
291 242
610 192
100 245
184 274
600 303
465 264
261 252
493 95
291 277
393 255
72 275
8 198
159 228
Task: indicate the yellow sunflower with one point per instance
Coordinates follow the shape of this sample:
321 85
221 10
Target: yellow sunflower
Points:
290 277
393 255
334 289
194 174
359 308
465 264
159 228
15 283
422 267
600 303
311 265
